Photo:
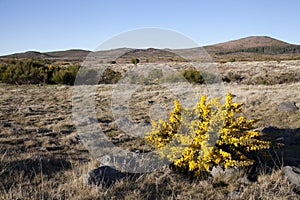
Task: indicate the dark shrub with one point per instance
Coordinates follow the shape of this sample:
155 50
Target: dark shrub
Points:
135 61
110 76
65 75
193 76
23 72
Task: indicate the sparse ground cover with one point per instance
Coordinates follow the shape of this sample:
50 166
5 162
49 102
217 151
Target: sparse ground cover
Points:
42 157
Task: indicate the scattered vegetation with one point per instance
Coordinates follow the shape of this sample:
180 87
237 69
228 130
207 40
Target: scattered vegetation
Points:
232 60
110 76
222 61
194 76
28 71
233 77
135 61
65 75
156 76
208 135
23 72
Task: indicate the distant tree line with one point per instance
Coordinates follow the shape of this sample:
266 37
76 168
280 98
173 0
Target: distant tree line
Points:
272 50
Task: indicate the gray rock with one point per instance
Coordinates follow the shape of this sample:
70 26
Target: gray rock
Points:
244 180
219 171
292 174
288 106
106 176
235 193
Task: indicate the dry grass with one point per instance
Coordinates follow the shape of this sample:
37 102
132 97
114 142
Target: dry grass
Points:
41 157
156 185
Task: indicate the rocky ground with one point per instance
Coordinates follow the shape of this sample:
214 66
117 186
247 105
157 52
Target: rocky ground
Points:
44 156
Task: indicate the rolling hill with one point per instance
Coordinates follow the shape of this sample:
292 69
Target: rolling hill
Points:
248 42
248 48
254 48
68 55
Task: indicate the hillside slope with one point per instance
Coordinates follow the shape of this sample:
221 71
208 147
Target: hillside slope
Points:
248 48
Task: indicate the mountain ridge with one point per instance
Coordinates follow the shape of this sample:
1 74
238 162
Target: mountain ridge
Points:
246 45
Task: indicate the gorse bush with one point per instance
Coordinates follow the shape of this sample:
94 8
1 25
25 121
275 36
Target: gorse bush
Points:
208 135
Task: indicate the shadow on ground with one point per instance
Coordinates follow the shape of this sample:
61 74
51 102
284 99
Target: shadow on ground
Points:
29 169
286 145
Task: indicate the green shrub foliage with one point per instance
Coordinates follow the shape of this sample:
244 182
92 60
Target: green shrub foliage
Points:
28 71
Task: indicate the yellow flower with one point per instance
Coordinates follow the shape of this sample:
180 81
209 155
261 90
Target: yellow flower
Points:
189 133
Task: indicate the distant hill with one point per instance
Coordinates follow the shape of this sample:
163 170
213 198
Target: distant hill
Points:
254 48
68 55
150 55
79 53
28 54
248 42
249 48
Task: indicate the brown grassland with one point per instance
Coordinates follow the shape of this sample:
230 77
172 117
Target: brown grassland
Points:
41 156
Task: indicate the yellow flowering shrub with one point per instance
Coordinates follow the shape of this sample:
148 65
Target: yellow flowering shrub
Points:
208 135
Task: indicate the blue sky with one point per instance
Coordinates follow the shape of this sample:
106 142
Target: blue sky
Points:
49 25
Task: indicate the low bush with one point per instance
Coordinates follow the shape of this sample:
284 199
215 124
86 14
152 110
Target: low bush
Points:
23 72
135 61
232 77
208 135
65 75
28 71
194 76
110 76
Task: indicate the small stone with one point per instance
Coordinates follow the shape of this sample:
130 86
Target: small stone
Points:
93 120
150 101
292 174
244 180
106 176
280 139
235 193
218 171
288 106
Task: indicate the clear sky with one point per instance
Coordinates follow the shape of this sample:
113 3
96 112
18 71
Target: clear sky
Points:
49 25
